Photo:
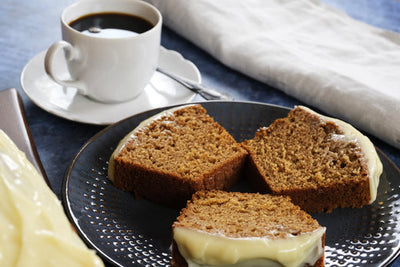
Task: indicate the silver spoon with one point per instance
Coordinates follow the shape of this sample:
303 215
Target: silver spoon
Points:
207 93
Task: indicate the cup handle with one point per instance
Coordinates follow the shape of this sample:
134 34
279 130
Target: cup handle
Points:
70 53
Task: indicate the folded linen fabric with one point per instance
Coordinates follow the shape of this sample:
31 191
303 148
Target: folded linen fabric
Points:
318 54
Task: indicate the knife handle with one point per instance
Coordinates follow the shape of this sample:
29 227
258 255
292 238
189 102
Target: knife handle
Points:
13 123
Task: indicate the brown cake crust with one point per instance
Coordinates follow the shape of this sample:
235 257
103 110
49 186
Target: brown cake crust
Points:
304 157
237 215
178 154
177 259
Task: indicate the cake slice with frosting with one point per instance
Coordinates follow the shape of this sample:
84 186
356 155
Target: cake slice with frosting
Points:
320 162
219 228
175 153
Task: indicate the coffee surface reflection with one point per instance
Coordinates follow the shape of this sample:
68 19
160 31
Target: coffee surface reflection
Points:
111 25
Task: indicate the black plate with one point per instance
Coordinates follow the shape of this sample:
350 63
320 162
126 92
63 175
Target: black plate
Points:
125 231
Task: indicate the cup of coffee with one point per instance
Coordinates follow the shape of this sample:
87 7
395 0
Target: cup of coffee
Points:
111 48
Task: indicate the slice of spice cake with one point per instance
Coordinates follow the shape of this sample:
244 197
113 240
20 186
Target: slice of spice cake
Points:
219 228
320 162
174 154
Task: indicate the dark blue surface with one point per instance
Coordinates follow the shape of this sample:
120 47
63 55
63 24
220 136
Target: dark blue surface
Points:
29 27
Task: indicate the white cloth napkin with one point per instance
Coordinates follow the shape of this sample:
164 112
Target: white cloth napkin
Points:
310 51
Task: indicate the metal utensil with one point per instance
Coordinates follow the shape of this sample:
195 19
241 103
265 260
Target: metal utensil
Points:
13 123
207 93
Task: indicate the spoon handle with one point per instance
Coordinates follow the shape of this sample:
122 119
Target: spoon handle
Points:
207 93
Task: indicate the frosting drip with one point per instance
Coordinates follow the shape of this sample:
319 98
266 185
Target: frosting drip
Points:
205 249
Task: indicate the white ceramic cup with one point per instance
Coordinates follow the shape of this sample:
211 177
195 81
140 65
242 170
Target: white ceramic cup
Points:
107 69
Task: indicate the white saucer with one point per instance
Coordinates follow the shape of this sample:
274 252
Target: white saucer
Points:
66 103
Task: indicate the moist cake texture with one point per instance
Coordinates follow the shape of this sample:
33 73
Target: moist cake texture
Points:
245 229
174 154
320 162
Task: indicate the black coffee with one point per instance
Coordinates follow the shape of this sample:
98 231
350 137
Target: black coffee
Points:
111 25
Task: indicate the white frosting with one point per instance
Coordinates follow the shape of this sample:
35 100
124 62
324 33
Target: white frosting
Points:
34 230
351 134
130 136
201 249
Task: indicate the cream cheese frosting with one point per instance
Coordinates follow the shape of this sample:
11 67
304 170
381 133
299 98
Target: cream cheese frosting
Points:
201 249
34 230
130 136
351 134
